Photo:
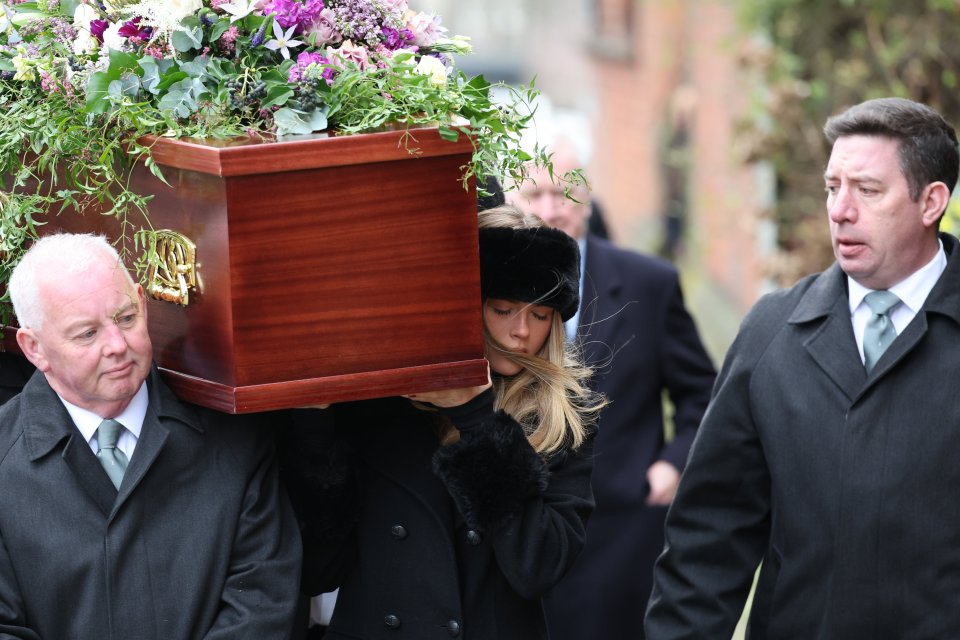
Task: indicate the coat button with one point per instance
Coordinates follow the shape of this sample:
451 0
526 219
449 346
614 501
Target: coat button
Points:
398 531
474 537
392 621
453 628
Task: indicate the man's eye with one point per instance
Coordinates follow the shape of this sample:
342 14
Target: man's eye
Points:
87 335
126 320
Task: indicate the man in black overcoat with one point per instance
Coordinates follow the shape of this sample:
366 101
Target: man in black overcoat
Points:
124 513
636 332
829 450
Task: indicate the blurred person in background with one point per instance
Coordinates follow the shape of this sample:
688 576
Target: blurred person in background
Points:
635 331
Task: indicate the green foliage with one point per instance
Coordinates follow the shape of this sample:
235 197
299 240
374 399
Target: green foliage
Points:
813 58
77 108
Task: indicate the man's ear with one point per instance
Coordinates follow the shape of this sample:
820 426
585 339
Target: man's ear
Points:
935 198
142 296
32 349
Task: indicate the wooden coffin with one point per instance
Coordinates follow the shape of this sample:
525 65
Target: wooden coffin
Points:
327 268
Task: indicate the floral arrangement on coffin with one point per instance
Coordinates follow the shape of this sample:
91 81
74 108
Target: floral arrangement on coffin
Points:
83 81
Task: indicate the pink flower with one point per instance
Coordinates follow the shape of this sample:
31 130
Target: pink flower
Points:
349 52
325 28
426 29
154 51
394 7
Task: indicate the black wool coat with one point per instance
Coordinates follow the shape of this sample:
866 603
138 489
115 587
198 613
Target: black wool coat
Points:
844 483
427 542
199 542
637 333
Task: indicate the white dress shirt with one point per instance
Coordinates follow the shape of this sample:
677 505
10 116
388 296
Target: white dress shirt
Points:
570 326
912 291
131 418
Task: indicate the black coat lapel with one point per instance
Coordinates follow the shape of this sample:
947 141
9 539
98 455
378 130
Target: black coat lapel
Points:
600 305
46 424
832 344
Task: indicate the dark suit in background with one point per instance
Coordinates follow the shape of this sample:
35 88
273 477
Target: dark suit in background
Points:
637 333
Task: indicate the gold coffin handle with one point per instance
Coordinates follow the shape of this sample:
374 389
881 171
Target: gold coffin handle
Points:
172 273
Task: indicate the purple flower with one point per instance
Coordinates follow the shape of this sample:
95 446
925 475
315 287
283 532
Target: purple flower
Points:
311 11
358 21
97 27
304 60
132 30
287 12
259 36
396 39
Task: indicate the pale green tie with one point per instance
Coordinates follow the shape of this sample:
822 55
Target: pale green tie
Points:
879 332
114 460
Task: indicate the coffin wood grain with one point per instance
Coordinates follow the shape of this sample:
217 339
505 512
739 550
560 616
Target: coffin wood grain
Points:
332 268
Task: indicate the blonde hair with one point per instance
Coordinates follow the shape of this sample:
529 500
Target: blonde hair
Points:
549 397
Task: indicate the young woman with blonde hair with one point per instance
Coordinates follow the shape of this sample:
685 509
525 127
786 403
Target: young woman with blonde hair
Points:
450 513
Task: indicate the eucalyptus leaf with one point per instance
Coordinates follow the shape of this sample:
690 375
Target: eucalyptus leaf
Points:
187 39
277 95
219 29
293 121
128 85
181 98
196 68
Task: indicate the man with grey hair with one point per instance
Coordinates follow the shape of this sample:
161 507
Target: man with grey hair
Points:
125 513
829 449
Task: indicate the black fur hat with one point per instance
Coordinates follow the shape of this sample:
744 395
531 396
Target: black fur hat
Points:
539 265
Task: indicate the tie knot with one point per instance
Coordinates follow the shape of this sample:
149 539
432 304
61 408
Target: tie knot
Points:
880 302
108 433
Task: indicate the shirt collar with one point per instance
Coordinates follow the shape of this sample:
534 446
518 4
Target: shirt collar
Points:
132 417
913 290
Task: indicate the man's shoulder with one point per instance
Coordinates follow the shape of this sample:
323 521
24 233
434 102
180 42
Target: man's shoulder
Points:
239 431
631 261
775 309
11 427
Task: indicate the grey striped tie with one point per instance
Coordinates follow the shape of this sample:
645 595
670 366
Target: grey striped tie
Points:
879 332
114 460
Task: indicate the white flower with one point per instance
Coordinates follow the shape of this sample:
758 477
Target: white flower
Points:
83 15
5 23
163 15
239 9
180 9
457 44
84 42
430 66
112 38
282 41
24 68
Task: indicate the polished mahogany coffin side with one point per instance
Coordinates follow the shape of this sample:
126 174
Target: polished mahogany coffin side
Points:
330 268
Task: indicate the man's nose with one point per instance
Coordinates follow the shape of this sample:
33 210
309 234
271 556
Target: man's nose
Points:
840 206
113 339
